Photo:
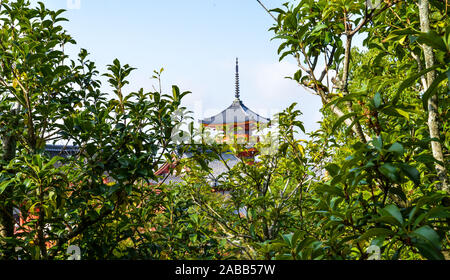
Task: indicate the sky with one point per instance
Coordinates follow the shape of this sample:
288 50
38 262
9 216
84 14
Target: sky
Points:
196 42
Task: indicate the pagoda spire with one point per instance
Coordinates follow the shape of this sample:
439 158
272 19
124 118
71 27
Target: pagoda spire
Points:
237 95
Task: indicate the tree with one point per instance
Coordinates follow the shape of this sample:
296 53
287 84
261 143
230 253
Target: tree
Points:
260 196
31 75
379 171
433 108
121 141
313 30
377 182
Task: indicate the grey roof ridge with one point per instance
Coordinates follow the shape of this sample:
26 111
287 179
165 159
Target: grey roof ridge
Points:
247 112
245 109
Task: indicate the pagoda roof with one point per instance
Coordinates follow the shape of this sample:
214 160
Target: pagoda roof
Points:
237 112
62 151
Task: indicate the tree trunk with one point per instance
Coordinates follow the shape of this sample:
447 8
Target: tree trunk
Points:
357 126
358 131
433 122
6 208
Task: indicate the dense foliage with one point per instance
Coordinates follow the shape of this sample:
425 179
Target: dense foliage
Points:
371 183
388 186
91 199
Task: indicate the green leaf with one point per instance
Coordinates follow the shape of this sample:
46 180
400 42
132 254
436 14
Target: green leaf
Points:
330 189
297 235
319 27
412 213
277 10
428 234
439 212
341 120
4 185
390 171
428 251
377 60
397 254
349 128
176 93
377 142
91 149
377 100
288 239
347 97
398 34
378 232
52 162
398 191
304 243
432 89
410 81
403 113
448 78
387 220
394 212
194 218
298 75
37 161
432 39
27 183
285 54
396 148
412 173
291 21
333 169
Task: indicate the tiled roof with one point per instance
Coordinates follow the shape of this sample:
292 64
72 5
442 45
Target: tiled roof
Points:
60 150
217 168
237 112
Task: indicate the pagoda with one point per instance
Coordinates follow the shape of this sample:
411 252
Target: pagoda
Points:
237 120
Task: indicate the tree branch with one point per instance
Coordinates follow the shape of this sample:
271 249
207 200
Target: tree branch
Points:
370 16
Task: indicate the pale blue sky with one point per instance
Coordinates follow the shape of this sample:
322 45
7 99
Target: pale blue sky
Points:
197 42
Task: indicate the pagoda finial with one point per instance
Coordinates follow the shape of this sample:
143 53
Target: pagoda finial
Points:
237 79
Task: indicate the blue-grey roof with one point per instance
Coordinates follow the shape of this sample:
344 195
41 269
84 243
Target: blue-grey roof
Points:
218 167
237 112
60 150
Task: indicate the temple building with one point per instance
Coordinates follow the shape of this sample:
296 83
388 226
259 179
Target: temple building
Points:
237 123
236 120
